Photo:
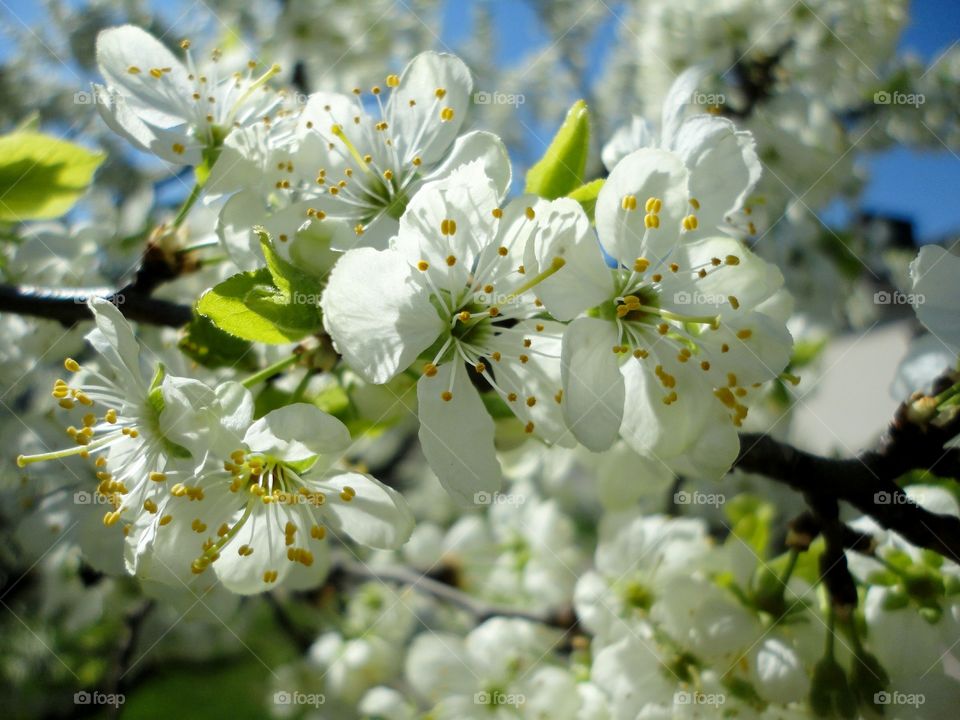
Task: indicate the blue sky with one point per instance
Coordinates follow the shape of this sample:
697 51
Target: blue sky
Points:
919 185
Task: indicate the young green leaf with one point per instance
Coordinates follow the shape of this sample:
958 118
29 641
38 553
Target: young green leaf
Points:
560 170
586 195
208 345
41 176
286 276
249 306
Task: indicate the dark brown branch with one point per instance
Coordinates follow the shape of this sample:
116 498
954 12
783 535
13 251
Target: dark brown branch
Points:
68 306
868 482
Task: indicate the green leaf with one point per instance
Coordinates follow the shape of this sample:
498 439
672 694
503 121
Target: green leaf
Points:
587 194
249 306
287 277
41 176
560 170
208 345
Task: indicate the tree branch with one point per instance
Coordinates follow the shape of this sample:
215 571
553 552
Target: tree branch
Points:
68 306
868 482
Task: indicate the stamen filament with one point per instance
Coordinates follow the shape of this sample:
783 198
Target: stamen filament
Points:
558 262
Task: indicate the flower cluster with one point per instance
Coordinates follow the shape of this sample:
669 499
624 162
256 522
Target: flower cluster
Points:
476 450
646 330
196 483
653 327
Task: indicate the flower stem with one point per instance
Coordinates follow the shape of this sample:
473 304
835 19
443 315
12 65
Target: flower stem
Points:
949 394
269 371
831 624
187 204
301 388
791 566
202 245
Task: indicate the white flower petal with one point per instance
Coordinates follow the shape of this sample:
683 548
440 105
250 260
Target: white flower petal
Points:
126 55
562 230
643 174
263 532
467 197
481 146
165 552
757 357
536 381
723 163
926 360
116 112
377 316
714 451
778 672
190 415
113 339
437 668
650 426
637 134
315 125
457 434
677 101
593 388
420 129
376 516
297 432
236 405
751 281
